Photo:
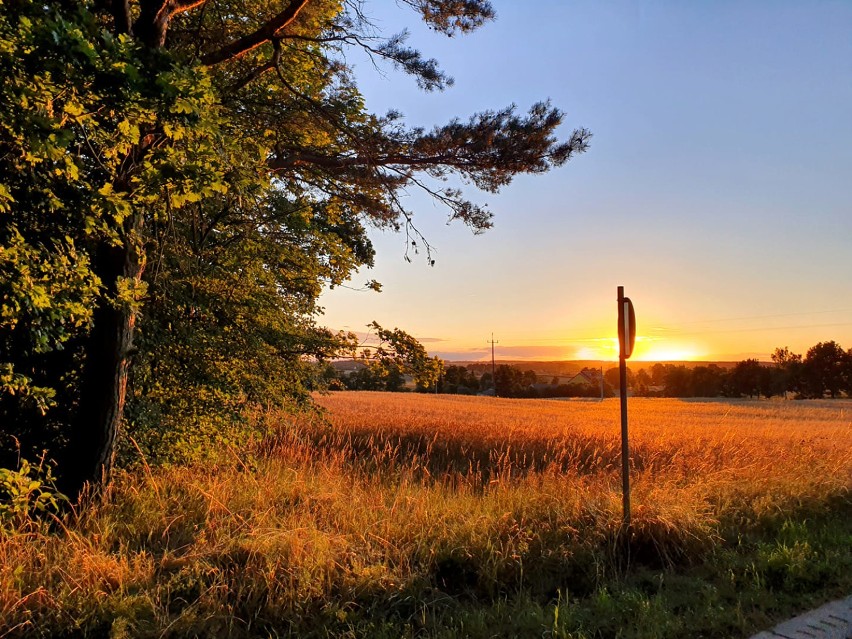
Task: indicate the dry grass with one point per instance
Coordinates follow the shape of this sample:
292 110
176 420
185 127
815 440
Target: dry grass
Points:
759 452
376 523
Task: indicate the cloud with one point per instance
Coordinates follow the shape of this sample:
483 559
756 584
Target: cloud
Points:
534 353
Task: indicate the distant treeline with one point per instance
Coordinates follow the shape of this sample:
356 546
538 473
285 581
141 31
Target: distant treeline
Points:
824 371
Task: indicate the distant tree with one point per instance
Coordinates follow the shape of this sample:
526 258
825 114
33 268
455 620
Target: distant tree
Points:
471 379
825 369
400 354
658 373
678 381
508 381
613 378
365 378
326 376
453 375
456 378
788 371
848 373
337 384
784 356
511 381
707 381
750 378
642 383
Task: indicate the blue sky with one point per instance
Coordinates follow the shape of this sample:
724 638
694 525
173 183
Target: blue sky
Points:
717 190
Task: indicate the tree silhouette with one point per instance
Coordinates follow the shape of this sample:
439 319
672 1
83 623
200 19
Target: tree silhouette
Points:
825 369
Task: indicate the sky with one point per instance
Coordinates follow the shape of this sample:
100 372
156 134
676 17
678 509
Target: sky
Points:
717 189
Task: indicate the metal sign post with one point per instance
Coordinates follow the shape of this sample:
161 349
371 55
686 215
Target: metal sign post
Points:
626 339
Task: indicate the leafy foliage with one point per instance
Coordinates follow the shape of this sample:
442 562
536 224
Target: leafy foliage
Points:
230 322
190 175
397 355
45 300
76 107
26 494
826 368
400 351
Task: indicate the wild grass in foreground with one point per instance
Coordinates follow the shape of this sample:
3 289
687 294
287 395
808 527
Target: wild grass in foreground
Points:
419 516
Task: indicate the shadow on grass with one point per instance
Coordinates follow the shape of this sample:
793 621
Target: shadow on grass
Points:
481 461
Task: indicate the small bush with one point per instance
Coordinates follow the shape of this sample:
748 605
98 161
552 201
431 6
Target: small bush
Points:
27 493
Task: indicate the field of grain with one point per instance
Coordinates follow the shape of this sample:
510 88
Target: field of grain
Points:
445 516
709 440
697 461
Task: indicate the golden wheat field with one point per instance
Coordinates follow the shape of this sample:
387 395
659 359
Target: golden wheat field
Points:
423 516
749 446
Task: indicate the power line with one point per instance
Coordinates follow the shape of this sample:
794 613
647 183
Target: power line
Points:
751 317
752 329
677 327
674 331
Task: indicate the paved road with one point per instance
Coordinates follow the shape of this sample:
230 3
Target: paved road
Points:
832 621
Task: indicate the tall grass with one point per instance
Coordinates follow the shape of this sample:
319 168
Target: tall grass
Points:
413 515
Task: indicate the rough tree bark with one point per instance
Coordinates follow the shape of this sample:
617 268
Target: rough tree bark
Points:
103 387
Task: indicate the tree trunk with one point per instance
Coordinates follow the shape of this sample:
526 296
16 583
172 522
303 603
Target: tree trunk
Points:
103 386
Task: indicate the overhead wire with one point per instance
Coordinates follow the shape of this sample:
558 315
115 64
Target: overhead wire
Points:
675 330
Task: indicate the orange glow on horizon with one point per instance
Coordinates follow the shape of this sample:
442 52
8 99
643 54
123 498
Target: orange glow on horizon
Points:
646 349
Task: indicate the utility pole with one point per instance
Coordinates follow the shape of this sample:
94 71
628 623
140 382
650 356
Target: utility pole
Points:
493 366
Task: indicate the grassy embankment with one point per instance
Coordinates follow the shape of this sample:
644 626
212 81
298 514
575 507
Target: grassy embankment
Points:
427 516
